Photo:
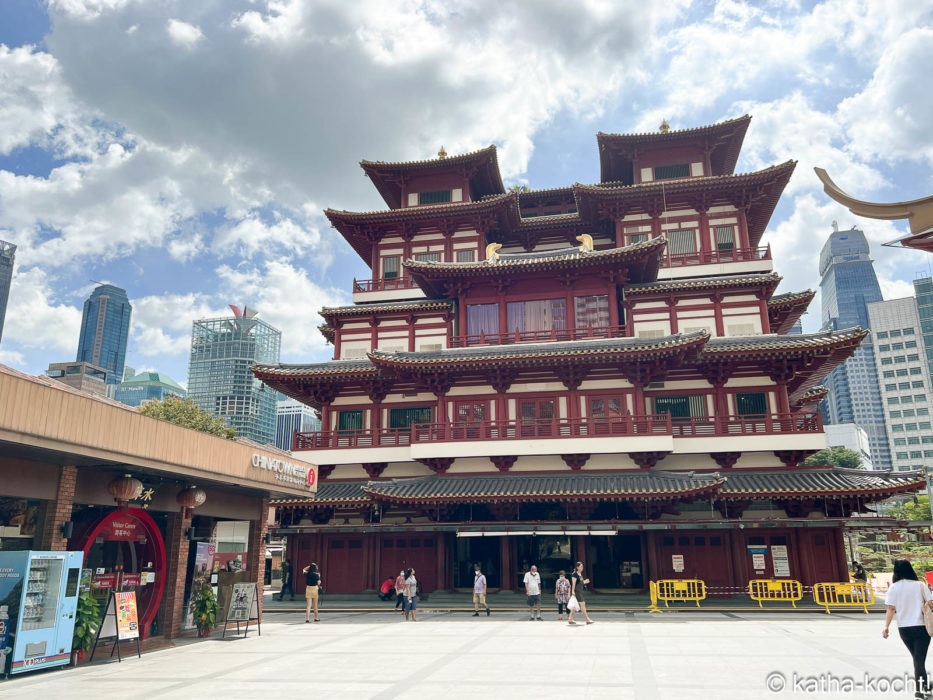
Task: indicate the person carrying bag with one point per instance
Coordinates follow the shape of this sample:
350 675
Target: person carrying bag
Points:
910 600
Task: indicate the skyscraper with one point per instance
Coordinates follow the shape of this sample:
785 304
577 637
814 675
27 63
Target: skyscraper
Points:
7 256
219 377
923 289
292 416
137 389
105 329
848 284
904 378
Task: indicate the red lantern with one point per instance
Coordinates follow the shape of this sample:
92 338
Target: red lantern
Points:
190 498
124 489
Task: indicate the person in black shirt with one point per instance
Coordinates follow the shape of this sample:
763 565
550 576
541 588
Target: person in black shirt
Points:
287 584
312 590
578 588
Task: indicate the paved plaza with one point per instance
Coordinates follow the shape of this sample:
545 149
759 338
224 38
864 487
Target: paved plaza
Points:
447 655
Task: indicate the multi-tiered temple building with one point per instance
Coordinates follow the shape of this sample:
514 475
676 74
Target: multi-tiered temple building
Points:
594 372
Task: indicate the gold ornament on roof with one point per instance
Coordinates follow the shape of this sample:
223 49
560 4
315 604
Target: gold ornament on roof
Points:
492 251
587 241
442 153
665 127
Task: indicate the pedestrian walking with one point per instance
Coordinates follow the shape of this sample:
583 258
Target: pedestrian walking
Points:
562 593
400 591
906 598
532 583
411 595
578 584
287 584
313 584
479 592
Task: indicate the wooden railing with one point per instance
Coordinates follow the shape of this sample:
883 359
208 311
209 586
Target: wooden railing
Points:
463 341
382 285
712 257
662 424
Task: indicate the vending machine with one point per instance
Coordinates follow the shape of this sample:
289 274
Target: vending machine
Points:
40 592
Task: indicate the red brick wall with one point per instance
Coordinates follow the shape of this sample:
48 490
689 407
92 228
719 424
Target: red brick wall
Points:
58 512
256 556
176 553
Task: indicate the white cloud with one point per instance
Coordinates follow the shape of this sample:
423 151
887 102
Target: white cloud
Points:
184 34
12 358
36 318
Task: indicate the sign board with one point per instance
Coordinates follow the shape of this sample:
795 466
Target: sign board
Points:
241 602
779 561
289 472
120 527
104 581
678 561
127 615
758 557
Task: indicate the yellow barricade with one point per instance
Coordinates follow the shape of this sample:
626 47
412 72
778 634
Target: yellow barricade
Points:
675 589
762 589
843 595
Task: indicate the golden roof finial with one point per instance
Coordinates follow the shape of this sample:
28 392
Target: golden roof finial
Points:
665 127
442 153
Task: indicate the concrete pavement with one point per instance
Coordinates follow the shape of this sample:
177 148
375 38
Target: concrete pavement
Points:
717 655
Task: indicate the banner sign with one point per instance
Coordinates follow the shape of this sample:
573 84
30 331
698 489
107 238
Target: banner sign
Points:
123 528
241 602
127 616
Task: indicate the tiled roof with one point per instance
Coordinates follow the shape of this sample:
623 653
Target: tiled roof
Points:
826 481
719 282
341 368
653 485
395 306
431 162
535 353
789 298
764 344
427 211
331 493
661 136
785 309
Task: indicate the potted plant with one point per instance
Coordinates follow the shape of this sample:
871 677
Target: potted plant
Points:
205 610
87 622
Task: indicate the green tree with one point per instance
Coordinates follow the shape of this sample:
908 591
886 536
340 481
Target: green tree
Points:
908 510
837 456
186 413
519 188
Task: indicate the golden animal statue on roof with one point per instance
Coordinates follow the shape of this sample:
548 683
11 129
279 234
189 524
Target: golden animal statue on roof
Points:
492 252
587 241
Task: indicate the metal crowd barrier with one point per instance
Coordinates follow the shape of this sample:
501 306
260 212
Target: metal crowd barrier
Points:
675 589
843 595
762 589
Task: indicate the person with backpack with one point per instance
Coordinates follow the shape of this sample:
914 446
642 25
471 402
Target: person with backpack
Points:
906 598
312 590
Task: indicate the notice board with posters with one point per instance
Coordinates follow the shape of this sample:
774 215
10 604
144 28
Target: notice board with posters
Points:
241 602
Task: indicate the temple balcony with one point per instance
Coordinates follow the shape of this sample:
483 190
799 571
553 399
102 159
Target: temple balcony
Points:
732 261
382 290
627 434
554 334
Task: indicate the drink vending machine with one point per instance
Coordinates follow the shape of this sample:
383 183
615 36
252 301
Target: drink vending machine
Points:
40 592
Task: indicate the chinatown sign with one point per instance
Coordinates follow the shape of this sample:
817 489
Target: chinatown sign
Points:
289 472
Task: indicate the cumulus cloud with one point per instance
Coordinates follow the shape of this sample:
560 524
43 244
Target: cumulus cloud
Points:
37 318
161 324
184 34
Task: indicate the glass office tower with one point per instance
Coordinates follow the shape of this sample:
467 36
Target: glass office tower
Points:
105 330
848 284
219 376
7 256
923 290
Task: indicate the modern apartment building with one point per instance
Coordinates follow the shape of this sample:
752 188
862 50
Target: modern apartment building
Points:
923 291
848 284
904 378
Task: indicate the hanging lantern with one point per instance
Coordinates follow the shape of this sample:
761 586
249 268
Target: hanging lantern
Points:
190 498
124 489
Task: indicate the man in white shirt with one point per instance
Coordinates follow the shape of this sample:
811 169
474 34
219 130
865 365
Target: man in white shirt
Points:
533 591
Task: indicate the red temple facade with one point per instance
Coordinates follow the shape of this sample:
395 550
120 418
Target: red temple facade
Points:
596 372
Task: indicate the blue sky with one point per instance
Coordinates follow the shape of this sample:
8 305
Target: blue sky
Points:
186 151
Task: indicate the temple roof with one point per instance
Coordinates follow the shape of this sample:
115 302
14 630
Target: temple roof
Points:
542 354
483 164
616 151
332 368
758 345
810 397
785 309
769 280
758 191
331 312
650 485
640 259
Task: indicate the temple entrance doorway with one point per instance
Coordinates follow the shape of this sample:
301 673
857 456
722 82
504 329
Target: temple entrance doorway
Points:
481 551
615 562
550 553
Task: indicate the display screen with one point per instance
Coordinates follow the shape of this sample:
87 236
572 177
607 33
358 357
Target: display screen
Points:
71 587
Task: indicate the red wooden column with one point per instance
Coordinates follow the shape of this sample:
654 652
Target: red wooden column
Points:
638 399
739 559
717 314
441 555
651 550
58 512
783 403
842 566
672 313
505 564
743 241
374 333
578 552
707 240
765 322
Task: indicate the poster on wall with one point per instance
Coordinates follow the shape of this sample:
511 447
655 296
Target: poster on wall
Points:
677 560
758 558
241 602
200 574
779 561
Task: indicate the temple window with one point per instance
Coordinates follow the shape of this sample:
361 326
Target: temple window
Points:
465 256
472 411
482 319
668 172
404 418
434 197
538 315
350 420
725 237
607 407
681 407
751 403
428 257
390 267
591 311
537 410
681 241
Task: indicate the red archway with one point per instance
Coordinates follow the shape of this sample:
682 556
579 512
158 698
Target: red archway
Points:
129 539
